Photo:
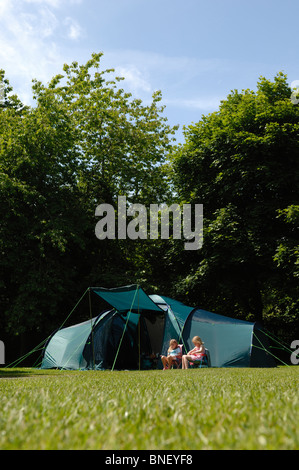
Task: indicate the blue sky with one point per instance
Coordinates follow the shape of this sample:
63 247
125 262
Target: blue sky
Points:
194 51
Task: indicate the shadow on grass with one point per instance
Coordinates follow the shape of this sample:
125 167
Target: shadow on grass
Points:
10 373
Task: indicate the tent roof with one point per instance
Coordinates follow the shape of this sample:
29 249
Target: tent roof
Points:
208 317
127 298
180 310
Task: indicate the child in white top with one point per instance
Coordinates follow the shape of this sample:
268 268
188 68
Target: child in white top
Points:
174 352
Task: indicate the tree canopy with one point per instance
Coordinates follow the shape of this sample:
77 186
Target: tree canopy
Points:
241 162
85 142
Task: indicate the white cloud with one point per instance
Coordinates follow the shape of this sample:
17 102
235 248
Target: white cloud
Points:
37 37
41 25
51 3
135 79
4 7
30 41
176 76
74 29
202 103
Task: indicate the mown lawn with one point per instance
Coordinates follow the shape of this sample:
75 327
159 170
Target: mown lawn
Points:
150 410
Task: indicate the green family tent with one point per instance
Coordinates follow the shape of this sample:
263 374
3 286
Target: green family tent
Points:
136 328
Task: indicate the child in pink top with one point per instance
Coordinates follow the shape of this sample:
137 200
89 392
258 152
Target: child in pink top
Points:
195 354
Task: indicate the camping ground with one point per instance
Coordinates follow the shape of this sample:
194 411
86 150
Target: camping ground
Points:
214 408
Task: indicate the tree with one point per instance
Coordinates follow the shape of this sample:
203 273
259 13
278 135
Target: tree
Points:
241 163
85 142
40 216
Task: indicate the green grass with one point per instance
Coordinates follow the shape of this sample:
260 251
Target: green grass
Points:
164 410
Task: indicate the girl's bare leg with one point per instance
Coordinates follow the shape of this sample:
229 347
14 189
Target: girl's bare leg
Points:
164 362
185 362
170 361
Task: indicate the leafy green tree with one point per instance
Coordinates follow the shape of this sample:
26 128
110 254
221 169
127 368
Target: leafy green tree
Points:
121 142
241 163
40 217
84 143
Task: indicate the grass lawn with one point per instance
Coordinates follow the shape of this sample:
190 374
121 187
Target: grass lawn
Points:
150 410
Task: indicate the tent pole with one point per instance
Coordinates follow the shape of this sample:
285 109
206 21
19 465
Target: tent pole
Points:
121 339
139 341
139 348
92 342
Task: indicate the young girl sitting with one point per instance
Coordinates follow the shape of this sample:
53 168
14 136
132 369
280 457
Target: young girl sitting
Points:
195 354
174 352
